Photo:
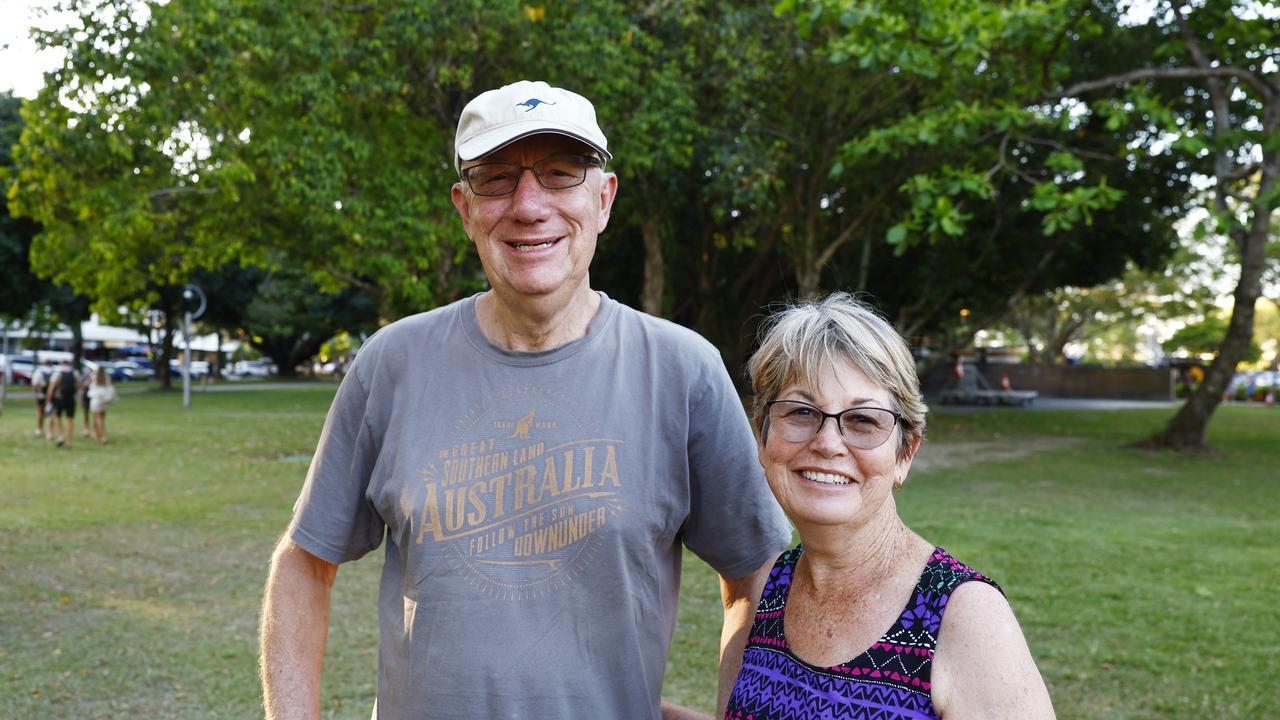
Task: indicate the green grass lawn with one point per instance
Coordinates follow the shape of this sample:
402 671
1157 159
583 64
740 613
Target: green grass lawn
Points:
130 574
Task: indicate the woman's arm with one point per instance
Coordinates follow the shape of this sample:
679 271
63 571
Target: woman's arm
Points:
982 667
740 597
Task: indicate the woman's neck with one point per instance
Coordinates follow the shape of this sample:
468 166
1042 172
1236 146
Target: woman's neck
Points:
839 562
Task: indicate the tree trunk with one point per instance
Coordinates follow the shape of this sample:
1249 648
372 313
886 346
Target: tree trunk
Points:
808 278
166 351
654 267
864 263
1187 429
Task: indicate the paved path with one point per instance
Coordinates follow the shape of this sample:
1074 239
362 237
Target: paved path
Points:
1061 403
229 386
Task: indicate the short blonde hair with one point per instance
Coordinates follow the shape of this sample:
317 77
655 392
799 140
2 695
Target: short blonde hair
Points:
799 341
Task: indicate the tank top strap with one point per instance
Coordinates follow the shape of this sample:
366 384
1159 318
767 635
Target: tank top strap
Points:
766 629
907 648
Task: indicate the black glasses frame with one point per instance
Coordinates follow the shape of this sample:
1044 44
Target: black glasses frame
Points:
588 161
897 421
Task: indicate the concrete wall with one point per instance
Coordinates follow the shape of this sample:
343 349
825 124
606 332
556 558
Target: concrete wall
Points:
1067 380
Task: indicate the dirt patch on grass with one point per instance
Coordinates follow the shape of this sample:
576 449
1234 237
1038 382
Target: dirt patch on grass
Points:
935 456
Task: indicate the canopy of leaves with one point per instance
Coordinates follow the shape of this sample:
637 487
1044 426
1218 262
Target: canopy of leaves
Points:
925 151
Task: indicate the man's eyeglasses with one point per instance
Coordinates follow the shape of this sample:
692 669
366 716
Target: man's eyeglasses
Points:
553 173
863 428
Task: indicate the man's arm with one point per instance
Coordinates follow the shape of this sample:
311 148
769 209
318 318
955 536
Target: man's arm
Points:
295 626
740 597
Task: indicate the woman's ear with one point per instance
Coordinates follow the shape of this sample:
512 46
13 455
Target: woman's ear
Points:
906 455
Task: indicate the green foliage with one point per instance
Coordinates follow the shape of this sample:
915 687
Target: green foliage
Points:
1205 337
996 193
919 151
19 290
290 319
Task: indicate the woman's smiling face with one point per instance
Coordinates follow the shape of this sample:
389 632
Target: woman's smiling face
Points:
824 481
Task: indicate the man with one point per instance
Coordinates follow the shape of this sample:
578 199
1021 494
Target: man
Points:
535 456
62 395
40 377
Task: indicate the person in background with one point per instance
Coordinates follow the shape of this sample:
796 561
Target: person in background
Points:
61 395
39 386
101 394
535 458
83 394
864 618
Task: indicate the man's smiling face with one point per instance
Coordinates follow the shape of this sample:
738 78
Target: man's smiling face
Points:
535 242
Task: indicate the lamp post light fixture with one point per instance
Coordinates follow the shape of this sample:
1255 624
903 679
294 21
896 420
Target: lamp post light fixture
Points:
190 293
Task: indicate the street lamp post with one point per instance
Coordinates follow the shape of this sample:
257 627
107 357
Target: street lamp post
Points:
189 294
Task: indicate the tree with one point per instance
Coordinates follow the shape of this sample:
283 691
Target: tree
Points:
19 289
23 294
290 318
1204 103
1221 116
281 312
927 152
1106 316
178 136
902 149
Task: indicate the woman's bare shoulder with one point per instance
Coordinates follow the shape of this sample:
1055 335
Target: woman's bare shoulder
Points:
982 666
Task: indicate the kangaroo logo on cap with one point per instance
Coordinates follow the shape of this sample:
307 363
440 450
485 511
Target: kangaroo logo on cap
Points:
532 103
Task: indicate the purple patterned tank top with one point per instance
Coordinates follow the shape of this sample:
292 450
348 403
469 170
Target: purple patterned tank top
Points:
889 681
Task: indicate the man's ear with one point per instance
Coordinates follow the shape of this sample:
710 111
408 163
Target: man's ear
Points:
462 205
608 191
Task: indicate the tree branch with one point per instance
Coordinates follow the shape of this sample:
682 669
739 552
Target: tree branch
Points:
166 193
1074 151
868 209
1174 73
1242 172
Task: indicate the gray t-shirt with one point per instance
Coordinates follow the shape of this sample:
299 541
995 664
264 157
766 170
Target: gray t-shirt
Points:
534 505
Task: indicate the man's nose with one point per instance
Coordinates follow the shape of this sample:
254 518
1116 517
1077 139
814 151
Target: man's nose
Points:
529 200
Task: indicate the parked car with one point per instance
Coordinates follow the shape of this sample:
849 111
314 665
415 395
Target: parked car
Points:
141 361
133 371
23 365
253 368
121 371
1252 385
199 368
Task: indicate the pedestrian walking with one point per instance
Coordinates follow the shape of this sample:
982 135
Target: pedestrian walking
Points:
101 394
39 386
61 397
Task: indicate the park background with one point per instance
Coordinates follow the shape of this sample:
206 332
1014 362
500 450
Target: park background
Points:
1083 181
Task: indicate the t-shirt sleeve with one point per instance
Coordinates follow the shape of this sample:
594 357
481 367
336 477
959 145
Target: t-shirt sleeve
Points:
333 518
735 525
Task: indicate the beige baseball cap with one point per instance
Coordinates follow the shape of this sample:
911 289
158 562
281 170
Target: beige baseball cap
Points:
499 117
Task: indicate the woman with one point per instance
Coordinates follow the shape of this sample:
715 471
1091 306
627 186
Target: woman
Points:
101 393
864 618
